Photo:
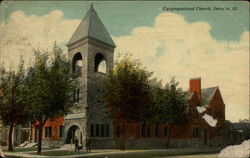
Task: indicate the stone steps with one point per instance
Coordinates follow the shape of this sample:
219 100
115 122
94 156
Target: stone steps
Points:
68 147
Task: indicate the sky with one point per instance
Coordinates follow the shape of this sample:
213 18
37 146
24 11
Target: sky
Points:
211 44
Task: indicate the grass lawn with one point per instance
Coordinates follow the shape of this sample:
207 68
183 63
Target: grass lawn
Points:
157 154
22 149
142 154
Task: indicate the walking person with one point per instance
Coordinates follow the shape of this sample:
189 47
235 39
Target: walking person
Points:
88 144
1 152
76 142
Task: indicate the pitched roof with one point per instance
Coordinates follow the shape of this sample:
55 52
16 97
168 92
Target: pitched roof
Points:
206 95
91 27
188 95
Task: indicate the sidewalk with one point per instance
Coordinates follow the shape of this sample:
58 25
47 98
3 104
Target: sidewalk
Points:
108 152
82 153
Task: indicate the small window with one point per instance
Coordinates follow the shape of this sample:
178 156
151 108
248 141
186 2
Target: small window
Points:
92 130
61 131
148 131
107 131
165 131
118 131
143 130
47 132
102 130
16 133
97 130
79 68
78 95
156 130
74 96
195 132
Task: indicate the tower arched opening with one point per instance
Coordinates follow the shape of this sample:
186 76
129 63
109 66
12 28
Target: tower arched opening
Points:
77 65
100 63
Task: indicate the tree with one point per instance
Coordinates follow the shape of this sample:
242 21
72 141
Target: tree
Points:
128 93
50 89
13 99
169 106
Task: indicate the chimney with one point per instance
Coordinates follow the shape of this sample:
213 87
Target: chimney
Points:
195 86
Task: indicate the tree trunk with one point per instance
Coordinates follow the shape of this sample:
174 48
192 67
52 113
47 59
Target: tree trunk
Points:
123 136
30 134
10 145
39 147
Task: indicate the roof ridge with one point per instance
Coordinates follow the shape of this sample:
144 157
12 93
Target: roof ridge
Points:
89 22
209 87
90 11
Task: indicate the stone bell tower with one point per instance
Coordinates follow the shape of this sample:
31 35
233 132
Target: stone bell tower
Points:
91 51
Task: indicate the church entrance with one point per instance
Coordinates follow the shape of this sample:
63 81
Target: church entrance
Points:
74 131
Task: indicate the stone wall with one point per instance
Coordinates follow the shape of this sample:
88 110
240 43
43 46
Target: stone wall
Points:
144 143
106 143
196 142
47 143
217 142
186 143
102 143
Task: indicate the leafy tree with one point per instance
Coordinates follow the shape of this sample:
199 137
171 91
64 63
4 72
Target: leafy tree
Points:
50 88
229 132
128 93
169 106
13 99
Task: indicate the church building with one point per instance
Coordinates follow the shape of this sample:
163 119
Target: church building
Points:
91 51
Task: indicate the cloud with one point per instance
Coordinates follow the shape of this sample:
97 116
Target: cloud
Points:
21 33
172 47
175 47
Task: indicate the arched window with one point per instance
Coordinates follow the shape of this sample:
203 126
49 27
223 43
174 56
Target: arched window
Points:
77 65
76 95
100 63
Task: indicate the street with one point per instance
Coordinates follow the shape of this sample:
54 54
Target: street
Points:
195 156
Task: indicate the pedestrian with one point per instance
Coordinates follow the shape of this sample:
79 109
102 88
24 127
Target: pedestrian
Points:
76 142
88 144
1 152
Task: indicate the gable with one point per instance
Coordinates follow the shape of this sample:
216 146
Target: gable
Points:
217 98
207 95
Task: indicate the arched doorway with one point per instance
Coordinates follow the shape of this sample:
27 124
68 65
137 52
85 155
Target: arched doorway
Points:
74 131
